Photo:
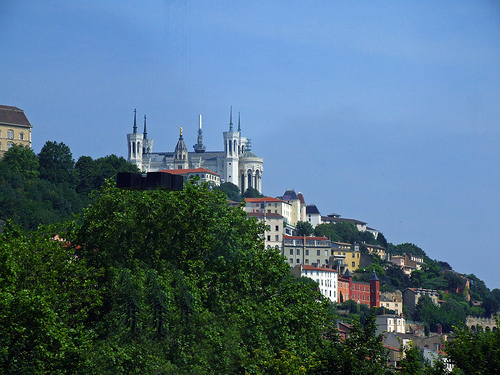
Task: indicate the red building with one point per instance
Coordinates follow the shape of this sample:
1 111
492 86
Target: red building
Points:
366 293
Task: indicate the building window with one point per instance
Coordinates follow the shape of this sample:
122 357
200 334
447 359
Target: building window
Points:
21 136
291 260
269 237
298 251
291 251
298 260
277 228
277 237
10 134
307 260
307 252
353 264
318 252
9 145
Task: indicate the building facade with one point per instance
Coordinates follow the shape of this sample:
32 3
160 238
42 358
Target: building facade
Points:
273 235
324 276
236 163
15 129
306 250
360 292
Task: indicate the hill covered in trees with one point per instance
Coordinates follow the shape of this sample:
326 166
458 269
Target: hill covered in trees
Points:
50 187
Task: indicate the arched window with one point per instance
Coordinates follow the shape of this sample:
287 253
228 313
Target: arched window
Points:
9 145
21 136
10 134
230 147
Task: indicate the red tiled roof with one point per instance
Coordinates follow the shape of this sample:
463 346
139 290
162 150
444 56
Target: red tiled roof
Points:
13 115
186 171
264 199
312 268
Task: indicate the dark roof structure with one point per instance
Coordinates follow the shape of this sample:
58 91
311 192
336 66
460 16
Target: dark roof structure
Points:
13 116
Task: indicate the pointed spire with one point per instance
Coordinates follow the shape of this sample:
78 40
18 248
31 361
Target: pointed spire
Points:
231 119
145 131
239 122
199 147
135 121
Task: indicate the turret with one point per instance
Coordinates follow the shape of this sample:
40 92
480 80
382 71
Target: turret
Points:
181 153
374 290
135 144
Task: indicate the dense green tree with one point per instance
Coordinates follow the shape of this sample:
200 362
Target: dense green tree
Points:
231 190
18 161
304 228
475 353
187 279
56 163
46 296
361 352
252 193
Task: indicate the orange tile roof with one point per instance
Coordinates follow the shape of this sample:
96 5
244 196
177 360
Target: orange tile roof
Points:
307 267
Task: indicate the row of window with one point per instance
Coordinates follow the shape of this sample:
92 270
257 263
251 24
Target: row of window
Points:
10 135
9 145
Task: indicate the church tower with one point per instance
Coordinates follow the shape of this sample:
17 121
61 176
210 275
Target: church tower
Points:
232 149
135 144
147 143
181 154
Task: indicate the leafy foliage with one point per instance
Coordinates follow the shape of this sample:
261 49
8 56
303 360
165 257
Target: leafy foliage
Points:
50 188
304 228
231 190
475 353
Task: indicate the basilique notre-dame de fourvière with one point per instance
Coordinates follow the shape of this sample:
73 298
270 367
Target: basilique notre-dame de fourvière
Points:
236 164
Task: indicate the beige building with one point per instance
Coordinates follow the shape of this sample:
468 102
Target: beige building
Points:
390 323
298 207
15 129
273 236
392 301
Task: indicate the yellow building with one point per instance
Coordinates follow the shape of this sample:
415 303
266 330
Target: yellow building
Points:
15 129
348 254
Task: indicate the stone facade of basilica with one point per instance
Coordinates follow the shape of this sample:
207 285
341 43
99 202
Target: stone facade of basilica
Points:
236 163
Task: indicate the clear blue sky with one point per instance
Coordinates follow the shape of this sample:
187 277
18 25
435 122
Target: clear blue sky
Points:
382 111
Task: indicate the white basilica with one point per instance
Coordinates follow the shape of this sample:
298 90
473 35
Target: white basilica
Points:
236 164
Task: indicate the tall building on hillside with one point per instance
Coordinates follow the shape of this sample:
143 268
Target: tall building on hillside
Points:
15 129
236 164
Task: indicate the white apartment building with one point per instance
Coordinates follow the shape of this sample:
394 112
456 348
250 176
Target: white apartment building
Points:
326 278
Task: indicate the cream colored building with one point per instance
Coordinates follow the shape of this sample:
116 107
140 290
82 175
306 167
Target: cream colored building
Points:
392 301
273 236
269 205
390 323
15 129
298 207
